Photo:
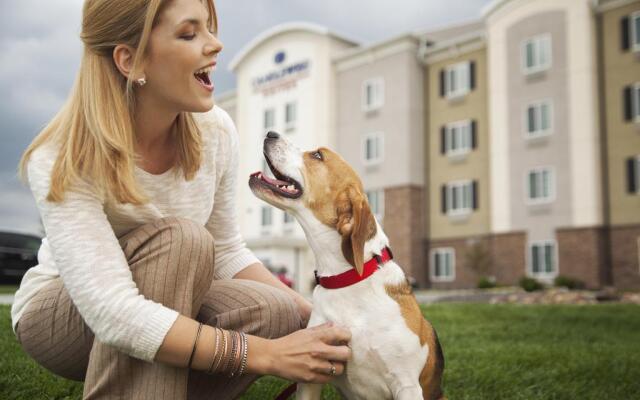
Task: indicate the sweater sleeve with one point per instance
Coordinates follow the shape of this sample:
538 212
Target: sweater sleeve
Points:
93 266
232 254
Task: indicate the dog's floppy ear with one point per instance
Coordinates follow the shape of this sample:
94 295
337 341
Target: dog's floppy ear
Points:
356 225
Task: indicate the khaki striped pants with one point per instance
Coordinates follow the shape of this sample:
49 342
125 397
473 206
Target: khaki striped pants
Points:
171 261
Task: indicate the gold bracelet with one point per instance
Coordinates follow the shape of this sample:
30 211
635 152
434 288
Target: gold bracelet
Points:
215 351
195 342
219 361
229 367
237 359
223 355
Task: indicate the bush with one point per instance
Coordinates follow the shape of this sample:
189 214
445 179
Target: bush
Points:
569 283
530 284
486 283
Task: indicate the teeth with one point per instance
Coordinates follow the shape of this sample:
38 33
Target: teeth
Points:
291 187
204 70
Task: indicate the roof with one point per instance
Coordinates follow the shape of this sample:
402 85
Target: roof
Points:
282 29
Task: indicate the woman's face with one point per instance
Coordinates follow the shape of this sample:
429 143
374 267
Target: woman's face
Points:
180 45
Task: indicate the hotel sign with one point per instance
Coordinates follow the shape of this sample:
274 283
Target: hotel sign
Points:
284 78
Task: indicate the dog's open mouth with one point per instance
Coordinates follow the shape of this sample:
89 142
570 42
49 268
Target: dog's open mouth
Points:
283 185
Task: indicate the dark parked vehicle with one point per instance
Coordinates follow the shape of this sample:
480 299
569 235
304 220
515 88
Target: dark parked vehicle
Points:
18 253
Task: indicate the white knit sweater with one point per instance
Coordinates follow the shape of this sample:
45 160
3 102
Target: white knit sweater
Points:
82 232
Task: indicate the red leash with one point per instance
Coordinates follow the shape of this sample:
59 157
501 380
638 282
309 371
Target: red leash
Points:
287 392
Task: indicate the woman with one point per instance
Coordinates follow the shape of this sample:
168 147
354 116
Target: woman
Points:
136 196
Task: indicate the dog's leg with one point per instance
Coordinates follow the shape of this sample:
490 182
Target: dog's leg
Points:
309 391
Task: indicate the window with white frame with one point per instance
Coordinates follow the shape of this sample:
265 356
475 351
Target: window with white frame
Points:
267 216
373 148
372 94
633 175
269 118
442 264
540 185
538 118
457 79
635 31
536 54
376 203
635 95
459 197
638 240
290 116
458 137
542 258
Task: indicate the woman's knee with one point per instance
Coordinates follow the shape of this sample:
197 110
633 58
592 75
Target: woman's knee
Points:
190 240
282 315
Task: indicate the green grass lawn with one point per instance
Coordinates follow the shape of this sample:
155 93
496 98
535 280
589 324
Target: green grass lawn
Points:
491 351
8 289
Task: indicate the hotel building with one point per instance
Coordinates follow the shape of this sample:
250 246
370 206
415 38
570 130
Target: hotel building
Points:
499 148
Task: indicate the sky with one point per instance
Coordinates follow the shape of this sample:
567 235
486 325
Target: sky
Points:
40 54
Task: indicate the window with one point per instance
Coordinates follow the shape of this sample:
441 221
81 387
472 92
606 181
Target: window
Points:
373 148
376 203
288 218
458 137
635 29
269 118
442 265
290 116
372 94
267 215
538 118
633 175
631 94
638 240
458 79
542 259
459 197
540 185
536 54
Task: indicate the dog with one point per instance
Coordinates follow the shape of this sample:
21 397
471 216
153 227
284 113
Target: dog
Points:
396 353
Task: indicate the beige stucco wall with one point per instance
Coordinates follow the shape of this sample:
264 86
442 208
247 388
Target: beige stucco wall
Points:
620 69
441 168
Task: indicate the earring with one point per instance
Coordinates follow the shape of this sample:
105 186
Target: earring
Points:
141 81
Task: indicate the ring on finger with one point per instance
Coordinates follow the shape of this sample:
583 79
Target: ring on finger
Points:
332 372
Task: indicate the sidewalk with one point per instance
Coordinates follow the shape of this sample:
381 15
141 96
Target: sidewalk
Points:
425 296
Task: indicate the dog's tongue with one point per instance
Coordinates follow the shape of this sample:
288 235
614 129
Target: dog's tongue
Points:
274 181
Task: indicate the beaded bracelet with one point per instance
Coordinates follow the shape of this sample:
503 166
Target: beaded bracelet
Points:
243 365
215 352
195 342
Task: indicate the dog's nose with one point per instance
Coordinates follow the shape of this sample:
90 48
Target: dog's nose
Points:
273 135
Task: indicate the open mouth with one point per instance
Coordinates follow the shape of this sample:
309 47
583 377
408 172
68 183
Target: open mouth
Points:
282 186
203 78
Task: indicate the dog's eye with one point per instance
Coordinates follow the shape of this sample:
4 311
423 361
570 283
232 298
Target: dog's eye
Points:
317 155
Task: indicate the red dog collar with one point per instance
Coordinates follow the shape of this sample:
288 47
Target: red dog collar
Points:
351 276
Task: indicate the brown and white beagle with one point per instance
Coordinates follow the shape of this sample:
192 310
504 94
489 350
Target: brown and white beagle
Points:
395 351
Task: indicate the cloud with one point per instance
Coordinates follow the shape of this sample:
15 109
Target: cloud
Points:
41 50
18 211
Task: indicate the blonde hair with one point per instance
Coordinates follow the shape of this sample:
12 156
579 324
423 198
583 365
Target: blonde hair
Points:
94 129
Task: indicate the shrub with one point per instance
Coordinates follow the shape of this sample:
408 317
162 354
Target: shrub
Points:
486 283
569 283
530 284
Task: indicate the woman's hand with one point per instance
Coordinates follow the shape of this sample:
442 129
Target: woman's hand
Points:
308 355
